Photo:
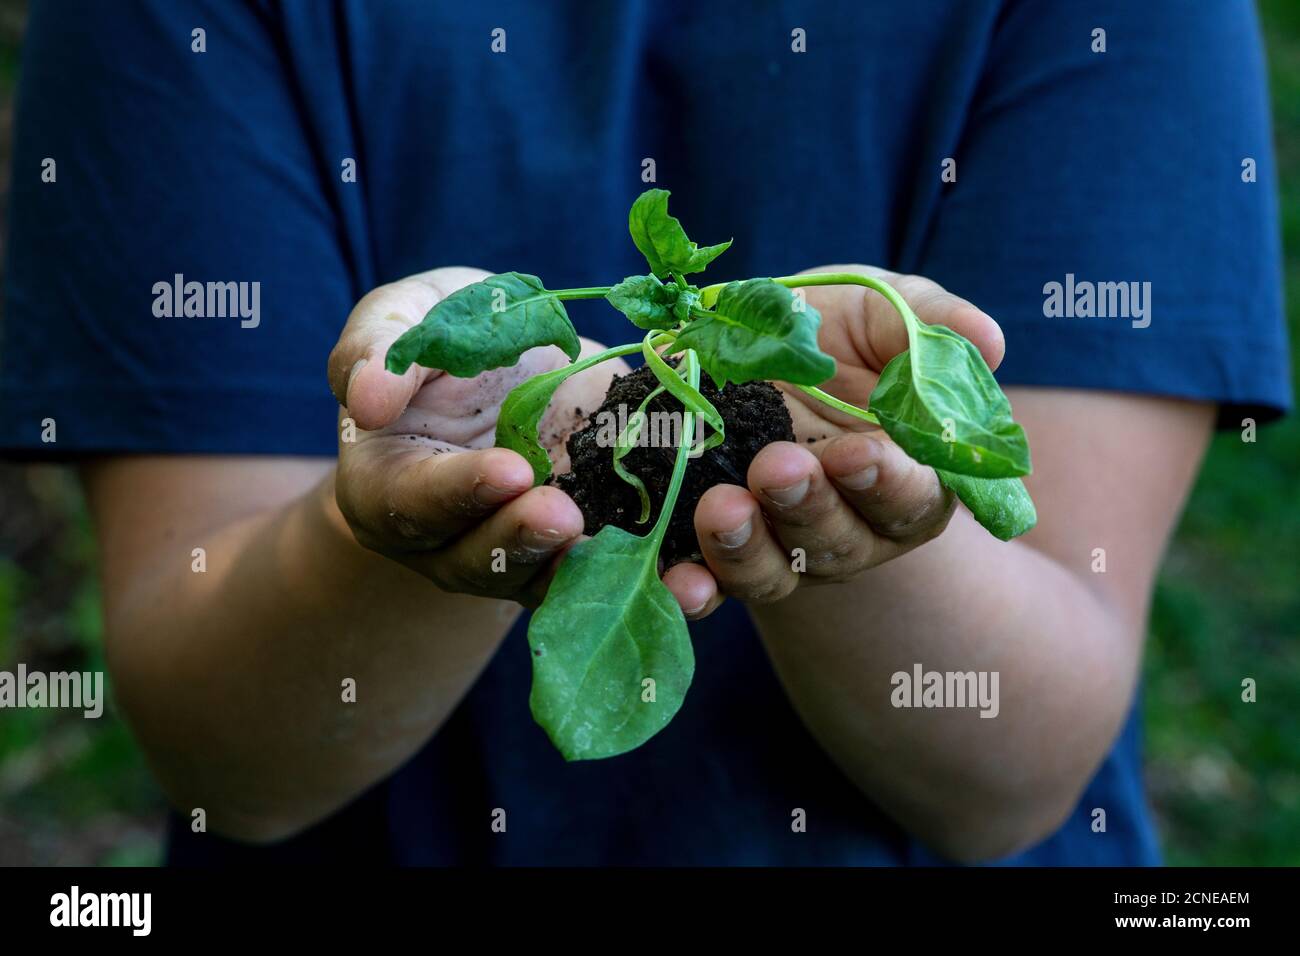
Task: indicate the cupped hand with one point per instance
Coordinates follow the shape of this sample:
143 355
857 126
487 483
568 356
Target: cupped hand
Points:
842 498
417 478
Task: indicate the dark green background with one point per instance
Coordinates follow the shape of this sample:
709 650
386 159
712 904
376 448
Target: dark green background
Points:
1224 775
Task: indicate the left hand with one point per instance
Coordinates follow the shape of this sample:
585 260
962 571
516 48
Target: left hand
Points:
844 493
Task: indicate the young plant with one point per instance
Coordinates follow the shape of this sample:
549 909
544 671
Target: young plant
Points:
612 657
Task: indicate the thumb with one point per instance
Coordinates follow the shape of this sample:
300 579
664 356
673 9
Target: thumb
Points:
373 396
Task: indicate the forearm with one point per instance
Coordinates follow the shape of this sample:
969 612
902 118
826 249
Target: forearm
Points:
233 678
971 786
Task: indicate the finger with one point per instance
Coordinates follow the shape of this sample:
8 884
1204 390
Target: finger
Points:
935 305
691 584
808 515
695 589
374 396
502 554
902 501
397 499
746 561
534 593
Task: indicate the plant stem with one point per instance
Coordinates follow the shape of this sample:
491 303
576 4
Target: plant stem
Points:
871 282
834 402
599 357
586 363
593 292
683 452
709 294
630 435
853 278
910 321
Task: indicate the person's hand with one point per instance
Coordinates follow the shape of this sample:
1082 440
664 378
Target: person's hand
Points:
843 492
421 483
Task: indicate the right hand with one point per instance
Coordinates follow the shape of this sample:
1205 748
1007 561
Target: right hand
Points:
421 483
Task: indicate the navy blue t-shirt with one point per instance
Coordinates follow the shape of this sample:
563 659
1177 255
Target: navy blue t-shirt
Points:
811 133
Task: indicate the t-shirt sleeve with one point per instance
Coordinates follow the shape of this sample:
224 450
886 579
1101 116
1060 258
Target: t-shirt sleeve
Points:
1114 208
177 266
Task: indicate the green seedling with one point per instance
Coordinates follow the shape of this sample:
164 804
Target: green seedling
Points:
612 657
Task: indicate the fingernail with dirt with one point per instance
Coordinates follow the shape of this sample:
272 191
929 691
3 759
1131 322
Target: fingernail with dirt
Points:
860 480
352 375
736 537
542 542
789 496
691 612
486 494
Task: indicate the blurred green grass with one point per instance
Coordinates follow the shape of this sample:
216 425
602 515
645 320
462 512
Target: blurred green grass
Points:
72 791
1224 775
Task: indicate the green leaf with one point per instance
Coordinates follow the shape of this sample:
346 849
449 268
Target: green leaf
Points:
522 411
663 241
607 625
646 301
940 403
755 333
687 299
485 325
690 396
1002 505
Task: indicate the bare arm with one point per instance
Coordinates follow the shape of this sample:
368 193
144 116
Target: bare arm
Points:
232 678
378 568
1111 472
886 587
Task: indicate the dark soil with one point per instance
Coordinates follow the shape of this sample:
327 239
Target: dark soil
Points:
755 415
